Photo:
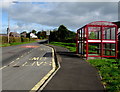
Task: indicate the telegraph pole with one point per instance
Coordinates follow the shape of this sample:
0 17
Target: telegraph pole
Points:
8 29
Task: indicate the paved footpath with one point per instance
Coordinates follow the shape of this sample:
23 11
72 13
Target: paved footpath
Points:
74 74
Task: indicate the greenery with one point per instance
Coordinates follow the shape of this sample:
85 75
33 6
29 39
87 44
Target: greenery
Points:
23 39
16 43
109 69
62 34
70 46
41 34
92 35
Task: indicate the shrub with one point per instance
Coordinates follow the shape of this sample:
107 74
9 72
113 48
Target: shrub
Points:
32 39
15 39
4 39
24 39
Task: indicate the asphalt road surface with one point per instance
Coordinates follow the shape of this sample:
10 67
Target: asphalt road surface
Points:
23 66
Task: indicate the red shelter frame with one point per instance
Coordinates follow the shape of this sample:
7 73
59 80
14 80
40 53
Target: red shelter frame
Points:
97 39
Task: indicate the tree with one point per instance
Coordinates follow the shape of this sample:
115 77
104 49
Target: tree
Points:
41 34
62 33
92 35
34 31
38 34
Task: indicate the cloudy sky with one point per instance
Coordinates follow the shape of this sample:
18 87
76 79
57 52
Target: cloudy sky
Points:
25 16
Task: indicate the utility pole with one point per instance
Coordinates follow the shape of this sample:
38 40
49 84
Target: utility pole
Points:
8 29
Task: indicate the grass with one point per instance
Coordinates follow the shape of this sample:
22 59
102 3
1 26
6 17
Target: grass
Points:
11 44
109 69
70 46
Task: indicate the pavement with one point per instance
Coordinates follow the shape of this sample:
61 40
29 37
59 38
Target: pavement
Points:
24 66
74 74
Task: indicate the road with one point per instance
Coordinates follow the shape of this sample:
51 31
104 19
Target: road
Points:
23 66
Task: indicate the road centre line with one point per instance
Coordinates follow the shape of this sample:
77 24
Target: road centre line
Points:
15 64
12 62
17 58
2 67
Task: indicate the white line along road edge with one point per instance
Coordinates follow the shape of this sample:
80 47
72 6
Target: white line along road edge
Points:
40 83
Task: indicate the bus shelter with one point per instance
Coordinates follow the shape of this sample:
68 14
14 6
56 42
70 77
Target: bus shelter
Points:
97 39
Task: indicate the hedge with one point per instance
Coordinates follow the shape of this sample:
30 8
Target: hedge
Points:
23 39
15 39
4 39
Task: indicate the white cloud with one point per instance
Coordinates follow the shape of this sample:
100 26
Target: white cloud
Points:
72 14
66 0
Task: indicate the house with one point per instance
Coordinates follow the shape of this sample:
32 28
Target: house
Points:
14 34
32 35
3 35
23 34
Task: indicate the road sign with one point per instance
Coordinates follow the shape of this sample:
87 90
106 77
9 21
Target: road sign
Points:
47 32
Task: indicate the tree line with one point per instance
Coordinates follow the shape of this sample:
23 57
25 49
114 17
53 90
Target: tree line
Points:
62 34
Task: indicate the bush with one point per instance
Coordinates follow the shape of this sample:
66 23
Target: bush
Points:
32 39
23 39
4 39
15 39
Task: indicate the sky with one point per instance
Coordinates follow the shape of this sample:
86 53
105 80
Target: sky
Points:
26 16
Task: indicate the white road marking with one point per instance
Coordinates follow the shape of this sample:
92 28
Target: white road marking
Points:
38 64
49 64
2 67
17 58
33 63
35 58
24 64
41 58
15 64
37 86
12 62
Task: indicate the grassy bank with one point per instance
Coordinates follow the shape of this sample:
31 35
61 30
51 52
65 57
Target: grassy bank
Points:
17 43
109 69
70 46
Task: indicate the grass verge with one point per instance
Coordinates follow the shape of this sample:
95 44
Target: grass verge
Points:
109 69
11 44
70 46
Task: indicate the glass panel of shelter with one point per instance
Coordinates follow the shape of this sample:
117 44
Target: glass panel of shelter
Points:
109 49
109 33
94 49
94 33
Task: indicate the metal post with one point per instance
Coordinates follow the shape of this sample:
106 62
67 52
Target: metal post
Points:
48 39
87 42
